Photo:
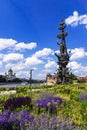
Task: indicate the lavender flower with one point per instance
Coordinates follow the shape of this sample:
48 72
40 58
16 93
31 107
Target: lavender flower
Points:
24 121
45 122
13 103
83 97
49 104
15 120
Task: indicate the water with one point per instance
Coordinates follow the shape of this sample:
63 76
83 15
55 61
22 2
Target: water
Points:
11 85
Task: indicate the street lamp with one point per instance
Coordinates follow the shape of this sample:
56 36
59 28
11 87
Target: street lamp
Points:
31 80
31 76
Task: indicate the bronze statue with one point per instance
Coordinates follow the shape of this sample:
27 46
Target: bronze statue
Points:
63 57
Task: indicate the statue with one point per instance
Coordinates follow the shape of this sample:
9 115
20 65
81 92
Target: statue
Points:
63 57
62 47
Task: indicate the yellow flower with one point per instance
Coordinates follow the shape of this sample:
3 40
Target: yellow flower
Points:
48 104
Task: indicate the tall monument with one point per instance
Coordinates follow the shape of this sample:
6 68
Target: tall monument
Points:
63 57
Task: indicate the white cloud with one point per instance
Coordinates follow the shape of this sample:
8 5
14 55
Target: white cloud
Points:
42 73
76 19
16 66
57 52
33 61
1 56
51 64
77 68
11 44
78 53
44 52
0 63
74 65
23 74
11 57
22 45
42 59
41 76
7 43
73 20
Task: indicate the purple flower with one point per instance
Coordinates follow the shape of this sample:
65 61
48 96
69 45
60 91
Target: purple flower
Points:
13 103
83 97
10 119
50 104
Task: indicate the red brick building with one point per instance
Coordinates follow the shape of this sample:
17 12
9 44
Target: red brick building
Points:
51 78
82 79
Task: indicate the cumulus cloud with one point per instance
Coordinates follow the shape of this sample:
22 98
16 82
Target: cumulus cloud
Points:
12 57
1 56
42 73
77 69
43 52
78 53
33 61
0 63
11 44
74 65
76 19
22 74
22 45
18 62
51 64
16 66
7 43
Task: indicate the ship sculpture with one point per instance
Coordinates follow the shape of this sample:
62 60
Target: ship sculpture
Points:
63 57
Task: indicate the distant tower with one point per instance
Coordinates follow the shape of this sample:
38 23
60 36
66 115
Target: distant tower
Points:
63 57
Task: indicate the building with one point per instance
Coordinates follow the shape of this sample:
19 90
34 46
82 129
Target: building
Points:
82 79
85 79
9 76
51 79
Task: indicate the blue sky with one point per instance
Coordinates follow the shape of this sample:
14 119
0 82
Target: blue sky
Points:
28 30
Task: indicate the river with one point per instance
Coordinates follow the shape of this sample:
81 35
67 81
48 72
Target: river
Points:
11 85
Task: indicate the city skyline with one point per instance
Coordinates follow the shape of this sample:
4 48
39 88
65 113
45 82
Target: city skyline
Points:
28 34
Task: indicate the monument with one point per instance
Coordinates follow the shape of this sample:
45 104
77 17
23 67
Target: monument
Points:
63 57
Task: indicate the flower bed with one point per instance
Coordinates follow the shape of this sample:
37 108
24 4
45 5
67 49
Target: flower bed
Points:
14 120
24 121
13 103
